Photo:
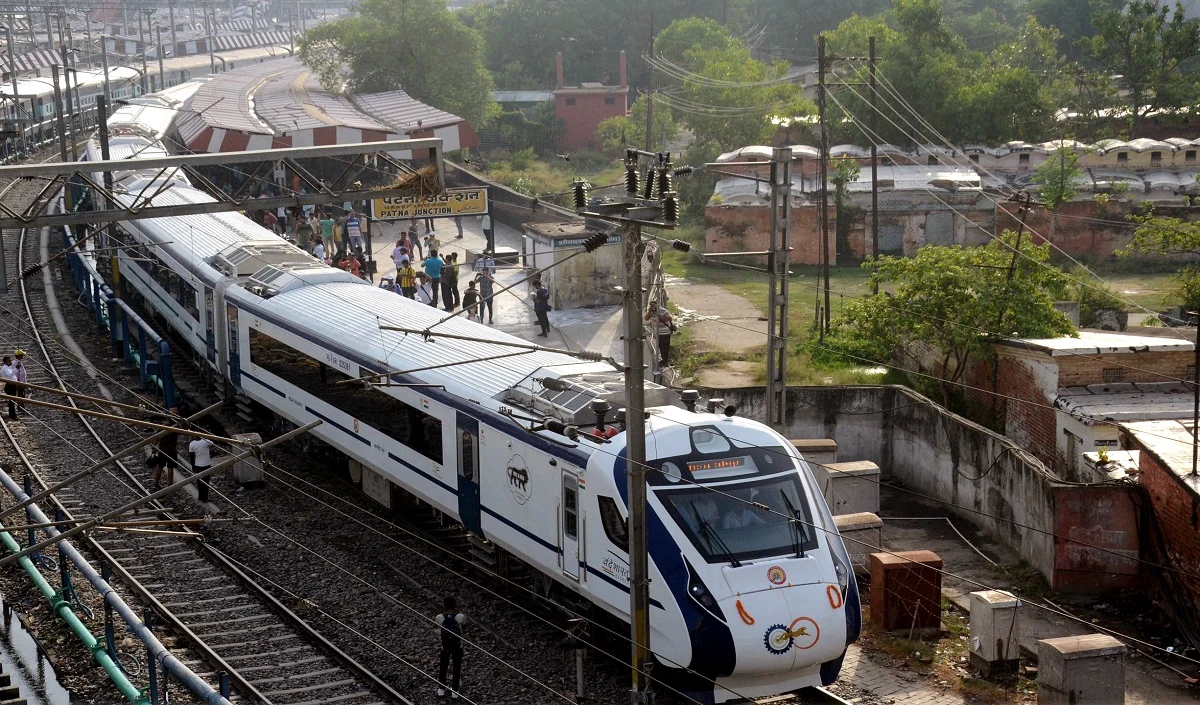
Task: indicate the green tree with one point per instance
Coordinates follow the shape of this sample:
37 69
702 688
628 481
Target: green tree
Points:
955 301
1177 239
614 134
1148 46
415 45
1057 180
1073 19
853 36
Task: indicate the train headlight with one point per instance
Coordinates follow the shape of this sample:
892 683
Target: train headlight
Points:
699 592
842 568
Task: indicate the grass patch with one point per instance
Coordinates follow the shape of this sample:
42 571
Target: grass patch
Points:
550 181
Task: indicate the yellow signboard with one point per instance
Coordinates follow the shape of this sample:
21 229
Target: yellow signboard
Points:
447 204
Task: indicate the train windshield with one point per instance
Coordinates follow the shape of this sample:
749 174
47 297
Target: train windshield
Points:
726 523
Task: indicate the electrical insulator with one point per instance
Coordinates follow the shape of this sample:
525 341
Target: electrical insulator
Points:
670 207
681 245
595 242
648 186
683 170
579 192
631 179
664 181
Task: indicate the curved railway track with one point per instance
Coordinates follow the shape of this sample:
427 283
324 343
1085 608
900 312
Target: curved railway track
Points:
222 619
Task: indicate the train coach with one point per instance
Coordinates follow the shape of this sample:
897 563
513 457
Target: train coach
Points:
752 592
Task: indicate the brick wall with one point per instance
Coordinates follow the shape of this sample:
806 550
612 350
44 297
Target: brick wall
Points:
1177 510
1077 370
1025 389
748 228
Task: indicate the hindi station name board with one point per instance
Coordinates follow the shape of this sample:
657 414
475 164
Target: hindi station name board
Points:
447 204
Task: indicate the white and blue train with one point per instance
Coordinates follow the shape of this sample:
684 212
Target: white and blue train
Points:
744 602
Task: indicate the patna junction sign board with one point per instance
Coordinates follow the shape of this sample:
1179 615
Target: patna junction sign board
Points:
447 204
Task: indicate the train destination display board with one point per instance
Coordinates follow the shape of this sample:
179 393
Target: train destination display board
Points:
447 204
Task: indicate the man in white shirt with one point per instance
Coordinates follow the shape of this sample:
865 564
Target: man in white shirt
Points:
9 376
201 452
319 251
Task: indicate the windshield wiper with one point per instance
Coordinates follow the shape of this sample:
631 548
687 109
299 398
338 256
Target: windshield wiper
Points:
710 535
794 525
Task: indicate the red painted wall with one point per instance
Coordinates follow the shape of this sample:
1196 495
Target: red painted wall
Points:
1177 510
589 110
1097 542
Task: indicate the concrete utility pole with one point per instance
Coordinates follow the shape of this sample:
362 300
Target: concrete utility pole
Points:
824 127
104 68
635 453
58 110
171 19
874 161
778 261
209 25
162 74
142 46
650 90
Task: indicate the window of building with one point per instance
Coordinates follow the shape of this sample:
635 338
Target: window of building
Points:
610 101
1023 159
1113 374
615 527
1191 372
931 160
1122 157
1156 157
404 424
570 101
1189 156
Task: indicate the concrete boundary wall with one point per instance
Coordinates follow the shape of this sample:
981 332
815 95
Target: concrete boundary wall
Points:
938 453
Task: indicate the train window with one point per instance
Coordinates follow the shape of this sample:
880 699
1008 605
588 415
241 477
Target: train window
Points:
570 507
615 527
188 299
163 275
407 425
172 283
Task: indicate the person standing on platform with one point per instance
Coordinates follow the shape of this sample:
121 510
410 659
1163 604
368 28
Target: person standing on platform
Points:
406 276
354 231
399 254
488 236
9 376
450 627
450 294
541 307
470 300
486 292
433 270
201 456
458 224
327 226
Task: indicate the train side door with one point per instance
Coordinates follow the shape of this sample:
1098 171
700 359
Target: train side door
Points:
569 525
235 365
210 324
468 473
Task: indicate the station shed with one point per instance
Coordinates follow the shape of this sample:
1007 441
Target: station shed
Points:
590 279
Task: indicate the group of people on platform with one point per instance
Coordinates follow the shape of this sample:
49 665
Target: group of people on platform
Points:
438 278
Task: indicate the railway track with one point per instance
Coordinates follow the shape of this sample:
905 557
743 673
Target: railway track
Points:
223 620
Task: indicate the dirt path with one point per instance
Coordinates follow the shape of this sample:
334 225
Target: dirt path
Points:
720 321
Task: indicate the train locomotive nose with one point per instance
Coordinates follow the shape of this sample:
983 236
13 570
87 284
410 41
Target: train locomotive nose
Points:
786 628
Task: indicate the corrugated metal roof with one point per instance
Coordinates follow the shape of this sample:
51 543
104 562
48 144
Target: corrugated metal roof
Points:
242 41
294 100
403 112
226 102
32 60
339 313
